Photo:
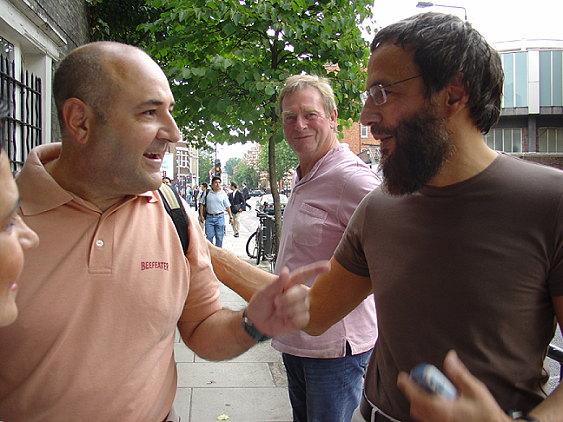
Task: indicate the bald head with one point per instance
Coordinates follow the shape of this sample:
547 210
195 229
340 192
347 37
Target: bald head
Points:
90 73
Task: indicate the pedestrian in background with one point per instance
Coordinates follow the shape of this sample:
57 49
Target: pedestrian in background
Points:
215 202
195 197
246 196
237 206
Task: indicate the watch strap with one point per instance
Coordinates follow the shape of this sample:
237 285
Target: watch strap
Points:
251 330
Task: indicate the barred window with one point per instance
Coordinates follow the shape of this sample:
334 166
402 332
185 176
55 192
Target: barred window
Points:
21 91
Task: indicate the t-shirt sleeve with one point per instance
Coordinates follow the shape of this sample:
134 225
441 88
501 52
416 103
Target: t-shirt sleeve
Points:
203 293
350 252
555 278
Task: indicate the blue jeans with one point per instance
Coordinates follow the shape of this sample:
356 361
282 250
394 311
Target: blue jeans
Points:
325 390
215 228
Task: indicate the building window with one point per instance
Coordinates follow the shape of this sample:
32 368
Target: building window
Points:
550 139
20 90
363 131
515 89
182 158
551 78
506 140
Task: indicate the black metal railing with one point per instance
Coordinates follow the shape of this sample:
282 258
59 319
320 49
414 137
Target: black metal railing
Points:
22 128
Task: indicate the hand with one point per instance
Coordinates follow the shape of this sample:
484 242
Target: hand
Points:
283 305
473 404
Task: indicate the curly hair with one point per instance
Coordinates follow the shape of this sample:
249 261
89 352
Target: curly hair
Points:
445 46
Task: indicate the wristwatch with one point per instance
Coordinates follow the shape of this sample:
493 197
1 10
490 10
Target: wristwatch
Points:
251 330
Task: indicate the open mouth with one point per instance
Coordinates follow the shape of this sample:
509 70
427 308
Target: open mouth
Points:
152 156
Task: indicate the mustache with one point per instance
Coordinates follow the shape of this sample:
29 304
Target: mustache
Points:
381 130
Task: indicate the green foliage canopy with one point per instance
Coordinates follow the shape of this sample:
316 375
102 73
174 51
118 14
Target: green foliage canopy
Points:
227 59
205 164
246 173
229 166
286 160
116 20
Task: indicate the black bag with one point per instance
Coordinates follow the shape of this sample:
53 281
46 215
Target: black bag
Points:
173 205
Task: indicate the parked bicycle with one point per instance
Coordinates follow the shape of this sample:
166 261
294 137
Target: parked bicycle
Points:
261 244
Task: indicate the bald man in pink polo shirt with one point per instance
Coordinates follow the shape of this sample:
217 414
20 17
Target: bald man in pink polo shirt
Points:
103 294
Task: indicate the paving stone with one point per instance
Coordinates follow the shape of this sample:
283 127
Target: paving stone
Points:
221 374
241 404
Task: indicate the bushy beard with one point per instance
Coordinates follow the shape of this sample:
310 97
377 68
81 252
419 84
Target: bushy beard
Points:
422 146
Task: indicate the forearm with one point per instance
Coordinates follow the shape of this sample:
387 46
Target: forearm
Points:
219 337
331 299
243 278
551 409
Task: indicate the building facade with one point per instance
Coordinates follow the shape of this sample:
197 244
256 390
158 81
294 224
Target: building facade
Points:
531 122
34 36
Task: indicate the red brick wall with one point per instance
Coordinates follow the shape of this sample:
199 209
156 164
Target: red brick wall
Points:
352 137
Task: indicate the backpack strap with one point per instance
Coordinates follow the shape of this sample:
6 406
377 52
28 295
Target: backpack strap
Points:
173 205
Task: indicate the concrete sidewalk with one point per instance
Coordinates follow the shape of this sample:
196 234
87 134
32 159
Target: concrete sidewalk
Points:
249 388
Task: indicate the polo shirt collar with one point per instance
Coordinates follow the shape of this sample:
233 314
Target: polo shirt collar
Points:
39 192
323 160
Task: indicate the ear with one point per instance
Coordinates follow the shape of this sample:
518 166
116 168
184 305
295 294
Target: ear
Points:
333 119
456 95
76 115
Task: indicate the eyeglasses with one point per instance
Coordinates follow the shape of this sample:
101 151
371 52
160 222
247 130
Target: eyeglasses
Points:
377 91
291 118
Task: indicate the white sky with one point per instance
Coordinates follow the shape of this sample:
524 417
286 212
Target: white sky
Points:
496 20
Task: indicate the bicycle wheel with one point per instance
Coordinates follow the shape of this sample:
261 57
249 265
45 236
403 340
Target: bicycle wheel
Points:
252 246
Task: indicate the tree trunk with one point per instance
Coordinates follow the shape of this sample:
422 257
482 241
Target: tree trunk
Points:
274 189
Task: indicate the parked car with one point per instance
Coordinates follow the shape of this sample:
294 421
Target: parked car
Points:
257 192
265 203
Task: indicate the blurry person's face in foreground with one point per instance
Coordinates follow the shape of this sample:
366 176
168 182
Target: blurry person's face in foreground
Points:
15 237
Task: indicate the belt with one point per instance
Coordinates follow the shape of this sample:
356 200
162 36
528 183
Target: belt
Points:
219 213
366 409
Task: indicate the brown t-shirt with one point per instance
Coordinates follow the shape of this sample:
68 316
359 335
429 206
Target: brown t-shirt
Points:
471 267
99 301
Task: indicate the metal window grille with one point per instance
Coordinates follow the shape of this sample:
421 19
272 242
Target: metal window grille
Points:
22 128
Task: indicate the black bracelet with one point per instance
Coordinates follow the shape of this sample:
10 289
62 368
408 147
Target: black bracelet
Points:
526 418
251 330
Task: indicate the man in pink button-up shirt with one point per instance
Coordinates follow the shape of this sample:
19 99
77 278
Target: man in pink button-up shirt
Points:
325 373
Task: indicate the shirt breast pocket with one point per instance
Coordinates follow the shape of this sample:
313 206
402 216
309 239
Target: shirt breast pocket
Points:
308 226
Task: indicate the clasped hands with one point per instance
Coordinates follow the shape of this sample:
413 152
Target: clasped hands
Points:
282 306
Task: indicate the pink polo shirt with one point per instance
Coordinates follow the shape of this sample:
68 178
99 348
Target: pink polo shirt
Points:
99 302
318 210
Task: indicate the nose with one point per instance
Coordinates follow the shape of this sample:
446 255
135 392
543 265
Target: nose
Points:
300 122
370 114
169 130
28 238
